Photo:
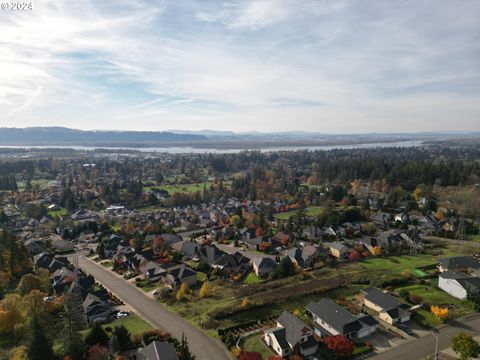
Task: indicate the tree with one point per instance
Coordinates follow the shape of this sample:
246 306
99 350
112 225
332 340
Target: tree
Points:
123 337
28 283
184 351
440 313
354 255
340 344
184 290
39 345
250 355
206 289
97 352
101 250
11 314
275 357
73 322
465 345
97 335
285 268
369 228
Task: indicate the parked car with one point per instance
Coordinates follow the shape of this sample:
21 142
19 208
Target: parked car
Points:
122 314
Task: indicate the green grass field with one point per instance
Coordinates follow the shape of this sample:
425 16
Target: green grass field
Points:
254 343
400 264
58 213
252 278
186 188
312 211
133 323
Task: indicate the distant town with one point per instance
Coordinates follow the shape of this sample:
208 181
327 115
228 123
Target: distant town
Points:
345 253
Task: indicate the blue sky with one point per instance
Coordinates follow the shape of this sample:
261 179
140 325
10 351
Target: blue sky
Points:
252 65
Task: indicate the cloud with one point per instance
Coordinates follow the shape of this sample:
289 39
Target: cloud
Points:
244 65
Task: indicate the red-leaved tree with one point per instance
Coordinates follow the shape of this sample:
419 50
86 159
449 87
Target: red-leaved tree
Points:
250 355
354 255
341 344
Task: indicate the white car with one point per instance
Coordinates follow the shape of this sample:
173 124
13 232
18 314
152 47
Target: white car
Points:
122 314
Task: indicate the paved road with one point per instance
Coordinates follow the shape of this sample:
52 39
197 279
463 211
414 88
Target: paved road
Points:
425 346
202 345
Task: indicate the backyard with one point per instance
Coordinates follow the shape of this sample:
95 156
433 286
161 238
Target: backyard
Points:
255 343
311 211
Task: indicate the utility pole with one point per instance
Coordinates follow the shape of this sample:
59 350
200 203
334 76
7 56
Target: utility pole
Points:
436 345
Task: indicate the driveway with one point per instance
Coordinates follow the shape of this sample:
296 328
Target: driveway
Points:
425 346
202 345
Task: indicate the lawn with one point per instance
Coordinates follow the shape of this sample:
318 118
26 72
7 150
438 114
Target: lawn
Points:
254 343
252 278
58 213
133 323
188 188
399 264
425 317
311 211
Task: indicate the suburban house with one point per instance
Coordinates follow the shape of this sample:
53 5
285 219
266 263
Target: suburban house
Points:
305 256
460 285
263 266
339 249
158 350
43 260
389 308
95 309
62 246
179 274
235 262
332 319
459 263
289 333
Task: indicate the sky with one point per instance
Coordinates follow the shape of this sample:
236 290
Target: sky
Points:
331 66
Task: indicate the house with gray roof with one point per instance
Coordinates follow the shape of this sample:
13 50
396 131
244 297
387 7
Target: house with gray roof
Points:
460 285
291 332
263 266
389 308
458 264
332 319
158 350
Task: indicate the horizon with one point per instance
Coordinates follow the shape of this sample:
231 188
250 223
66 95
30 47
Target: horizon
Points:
332 67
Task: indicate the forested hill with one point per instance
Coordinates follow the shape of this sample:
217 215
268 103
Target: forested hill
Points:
65 136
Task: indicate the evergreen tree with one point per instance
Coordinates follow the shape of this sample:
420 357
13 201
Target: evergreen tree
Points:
74 321
97 335
122 337
184 351
39 345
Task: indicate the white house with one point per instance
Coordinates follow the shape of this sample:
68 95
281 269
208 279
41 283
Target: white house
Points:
459 285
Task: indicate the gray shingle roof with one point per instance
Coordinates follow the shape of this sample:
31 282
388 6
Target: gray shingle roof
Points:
294 327
334 315
158 350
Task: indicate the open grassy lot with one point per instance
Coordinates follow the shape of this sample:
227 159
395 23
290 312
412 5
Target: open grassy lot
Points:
254 343
405 264
186 188
312 211
252 278
58 213
133 323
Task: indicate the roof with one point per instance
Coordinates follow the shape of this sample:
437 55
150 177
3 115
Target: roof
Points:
378 297
264 262
294 327
460 262
280 334
158 350
334 315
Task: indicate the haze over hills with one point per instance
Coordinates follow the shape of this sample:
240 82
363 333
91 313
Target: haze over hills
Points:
56 136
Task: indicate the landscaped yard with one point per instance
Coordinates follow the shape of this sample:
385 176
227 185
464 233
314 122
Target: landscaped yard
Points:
311 211
133 323
254 343
58 213
252 278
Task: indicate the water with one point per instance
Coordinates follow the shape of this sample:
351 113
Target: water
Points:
195 150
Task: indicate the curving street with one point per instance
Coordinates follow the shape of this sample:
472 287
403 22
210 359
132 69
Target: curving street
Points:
202 345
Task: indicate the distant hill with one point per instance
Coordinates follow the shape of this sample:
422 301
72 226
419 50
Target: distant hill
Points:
65 136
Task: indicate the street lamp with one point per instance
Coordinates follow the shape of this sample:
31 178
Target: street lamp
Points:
436 345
